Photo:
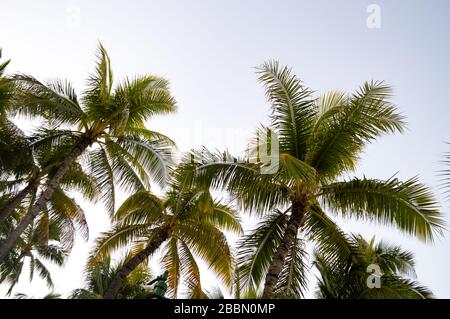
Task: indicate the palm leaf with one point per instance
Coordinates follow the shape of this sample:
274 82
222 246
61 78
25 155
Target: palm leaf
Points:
140 208
56 101
100 168
210 244
408 205
258 248
293 280
293 108
171 262
347 124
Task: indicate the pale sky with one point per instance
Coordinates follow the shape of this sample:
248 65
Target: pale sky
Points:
207 49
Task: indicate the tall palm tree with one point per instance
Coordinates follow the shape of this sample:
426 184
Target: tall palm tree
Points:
99 278
320 141
107 128
52 235
185 223
347 279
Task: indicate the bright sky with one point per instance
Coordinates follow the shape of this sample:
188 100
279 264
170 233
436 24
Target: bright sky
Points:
207 49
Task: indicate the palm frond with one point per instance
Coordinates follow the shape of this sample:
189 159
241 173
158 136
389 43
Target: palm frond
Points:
53 253
258 193
140 208
394 259
153 157
329 240
129 179
210 244
141 98
148 135
100 168
13 141
171 262
298 171
56 102
258 248
44 273
226 218
293 107
347 124
69 214
189 270
97 96
408 205
293 280
118 237
394 287
75 179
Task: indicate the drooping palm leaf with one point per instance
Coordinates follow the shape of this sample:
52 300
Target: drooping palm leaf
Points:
408 205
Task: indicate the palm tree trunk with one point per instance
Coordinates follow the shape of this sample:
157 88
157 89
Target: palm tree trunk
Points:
135 261
295 221
40 204
12 204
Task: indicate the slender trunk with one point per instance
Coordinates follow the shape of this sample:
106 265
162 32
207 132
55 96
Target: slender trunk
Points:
16 200
134 262
294 223
40 204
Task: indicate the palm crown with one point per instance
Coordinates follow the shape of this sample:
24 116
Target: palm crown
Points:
189 222
106 129
98 279
320 139
348 278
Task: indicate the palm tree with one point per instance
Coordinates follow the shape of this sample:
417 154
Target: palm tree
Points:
347 279
36 245
185 223
320 140
52 235
99 278
107 128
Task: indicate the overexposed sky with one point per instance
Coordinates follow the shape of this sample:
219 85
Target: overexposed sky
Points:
207 49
